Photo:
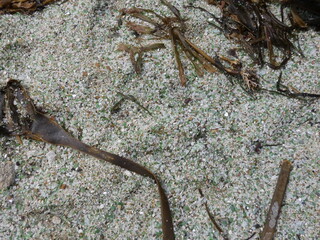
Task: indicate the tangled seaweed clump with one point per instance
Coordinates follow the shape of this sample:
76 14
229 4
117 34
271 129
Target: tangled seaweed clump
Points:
173 28
253 25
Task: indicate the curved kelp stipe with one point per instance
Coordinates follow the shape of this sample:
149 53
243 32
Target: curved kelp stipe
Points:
19 117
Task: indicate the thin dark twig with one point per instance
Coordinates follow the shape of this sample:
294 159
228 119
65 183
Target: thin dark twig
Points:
212 219
286 91
252 235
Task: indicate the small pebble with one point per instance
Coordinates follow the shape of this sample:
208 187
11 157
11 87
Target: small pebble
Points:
51 156
127 173
56 220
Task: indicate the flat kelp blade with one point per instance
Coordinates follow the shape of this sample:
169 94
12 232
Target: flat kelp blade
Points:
33 124
297 20
174 44
152 47
196 66
206 56
141 29
136 10
172 8
136 53
188 49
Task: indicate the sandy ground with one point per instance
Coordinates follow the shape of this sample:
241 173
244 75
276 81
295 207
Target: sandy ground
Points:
199 136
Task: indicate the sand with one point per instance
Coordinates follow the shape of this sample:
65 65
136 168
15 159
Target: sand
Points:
199 136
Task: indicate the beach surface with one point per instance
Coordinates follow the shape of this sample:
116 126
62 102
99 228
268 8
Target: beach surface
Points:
205 135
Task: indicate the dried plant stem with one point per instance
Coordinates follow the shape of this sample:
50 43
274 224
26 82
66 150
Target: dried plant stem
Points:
270 225
212 219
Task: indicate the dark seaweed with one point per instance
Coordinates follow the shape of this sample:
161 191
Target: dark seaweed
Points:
19 117
256 28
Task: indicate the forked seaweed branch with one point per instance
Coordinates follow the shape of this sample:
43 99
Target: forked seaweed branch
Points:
173 28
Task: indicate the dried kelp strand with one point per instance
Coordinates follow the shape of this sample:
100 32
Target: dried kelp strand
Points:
270 225
19 117
132 99
173 28
23 6
182 76
136 53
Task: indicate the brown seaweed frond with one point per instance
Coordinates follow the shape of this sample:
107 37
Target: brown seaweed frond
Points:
256 28
23 6
173 28
20 117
